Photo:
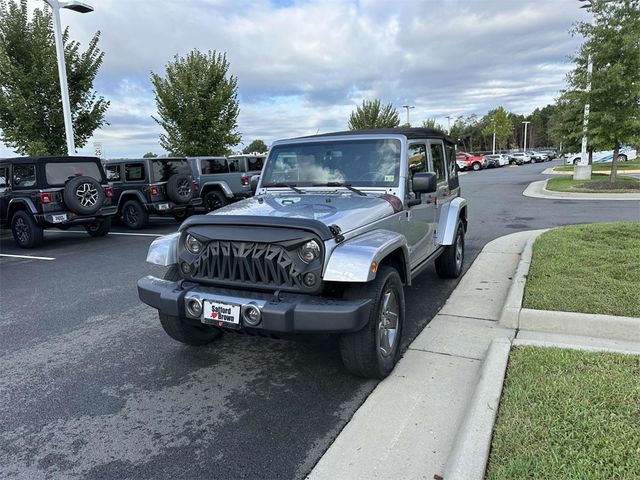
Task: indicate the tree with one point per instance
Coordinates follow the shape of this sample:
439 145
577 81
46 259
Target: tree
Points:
197 105
149 155
431 123
498 121
255 146
565 124
613 45
31 115
371 114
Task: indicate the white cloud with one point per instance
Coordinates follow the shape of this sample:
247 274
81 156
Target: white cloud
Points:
302 68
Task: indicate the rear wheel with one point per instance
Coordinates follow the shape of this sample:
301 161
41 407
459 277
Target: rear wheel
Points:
26 232
181 216
373 351
622 158
183 332
476 166
576 161
214 199
449 263
99 227
134 215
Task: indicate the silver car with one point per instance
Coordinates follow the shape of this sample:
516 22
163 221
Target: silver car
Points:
339 224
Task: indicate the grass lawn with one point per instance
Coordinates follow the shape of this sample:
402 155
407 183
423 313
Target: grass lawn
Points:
568 414
587 268
604 167
597 184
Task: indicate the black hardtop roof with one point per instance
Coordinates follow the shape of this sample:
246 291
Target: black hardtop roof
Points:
141 159
50 159
410 133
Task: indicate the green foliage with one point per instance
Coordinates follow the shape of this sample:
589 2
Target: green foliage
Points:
565 124
371 114
613 45
256 146
498 120
598 183
31 117
197 105
431 123
149 155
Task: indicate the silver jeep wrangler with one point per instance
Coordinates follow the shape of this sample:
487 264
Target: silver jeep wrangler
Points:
339 223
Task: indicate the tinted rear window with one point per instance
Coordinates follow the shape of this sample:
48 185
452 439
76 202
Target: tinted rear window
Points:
163 169
58 173
217 165
255 163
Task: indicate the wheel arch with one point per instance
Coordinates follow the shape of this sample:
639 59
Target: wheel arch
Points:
450 214
130 195
16 204
217 185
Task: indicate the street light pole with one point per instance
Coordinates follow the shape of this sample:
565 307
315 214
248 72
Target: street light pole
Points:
408 107
80 7
582 171
449 124
493 122
524 148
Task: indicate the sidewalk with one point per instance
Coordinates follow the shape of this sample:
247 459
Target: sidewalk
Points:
417 422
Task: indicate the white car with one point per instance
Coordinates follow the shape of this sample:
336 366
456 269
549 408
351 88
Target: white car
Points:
525 157
624 154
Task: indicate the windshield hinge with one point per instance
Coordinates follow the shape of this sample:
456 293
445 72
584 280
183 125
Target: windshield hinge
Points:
337 233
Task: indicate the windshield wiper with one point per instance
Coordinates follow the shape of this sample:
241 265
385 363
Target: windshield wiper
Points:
284 185
341 184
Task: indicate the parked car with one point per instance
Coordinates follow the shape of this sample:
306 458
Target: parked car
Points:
497 160
624 154
37 193
521 157
339 224
152 186
473 162
537 156
224 180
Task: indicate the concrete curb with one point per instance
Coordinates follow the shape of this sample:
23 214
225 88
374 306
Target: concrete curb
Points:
586 324
587 348
470 452
510 316
538 189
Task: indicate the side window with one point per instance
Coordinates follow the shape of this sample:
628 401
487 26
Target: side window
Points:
24 176
451 159
113 173
417 158
4 177
134 172
234 165
439 165
215 165
255 163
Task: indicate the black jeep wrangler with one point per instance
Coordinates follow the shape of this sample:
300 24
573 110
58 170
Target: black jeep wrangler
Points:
54 192
152 186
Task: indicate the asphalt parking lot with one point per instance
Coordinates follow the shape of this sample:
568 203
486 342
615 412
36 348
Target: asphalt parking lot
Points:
91 387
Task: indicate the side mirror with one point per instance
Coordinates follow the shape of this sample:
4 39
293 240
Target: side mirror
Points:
425 182
254 182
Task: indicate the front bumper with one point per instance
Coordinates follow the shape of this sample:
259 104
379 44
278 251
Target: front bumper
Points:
290 313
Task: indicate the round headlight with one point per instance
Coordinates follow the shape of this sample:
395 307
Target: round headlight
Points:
192 244
309 251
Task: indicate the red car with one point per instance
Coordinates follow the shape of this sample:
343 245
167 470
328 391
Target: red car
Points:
472 162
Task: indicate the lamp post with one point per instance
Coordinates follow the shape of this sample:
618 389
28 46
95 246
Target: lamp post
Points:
448 117
524 147
493 122
408 107
79 7
582 171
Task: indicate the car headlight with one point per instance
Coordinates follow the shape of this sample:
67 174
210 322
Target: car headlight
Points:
192 244
309 251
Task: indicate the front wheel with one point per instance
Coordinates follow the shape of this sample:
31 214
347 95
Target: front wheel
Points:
576 161
622 158
373 351
449 263
99 227
178 329
26 232
181 216
476 166
214 200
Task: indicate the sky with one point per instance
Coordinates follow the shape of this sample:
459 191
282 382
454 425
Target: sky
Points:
303 65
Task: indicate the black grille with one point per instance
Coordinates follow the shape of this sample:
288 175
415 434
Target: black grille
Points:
251 263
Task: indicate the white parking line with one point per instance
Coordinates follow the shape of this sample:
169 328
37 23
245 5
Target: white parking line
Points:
111 233
29 257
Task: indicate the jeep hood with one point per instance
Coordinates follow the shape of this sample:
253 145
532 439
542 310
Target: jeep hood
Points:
347 211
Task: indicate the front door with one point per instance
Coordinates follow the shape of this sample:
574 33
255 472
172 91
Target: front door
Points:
438 165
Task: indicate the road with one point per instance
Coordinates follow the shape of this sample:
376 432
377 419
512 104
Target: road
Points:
91 387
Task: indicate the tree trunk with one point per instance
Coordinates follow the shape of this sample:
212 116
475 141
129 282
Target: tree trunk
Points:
614 165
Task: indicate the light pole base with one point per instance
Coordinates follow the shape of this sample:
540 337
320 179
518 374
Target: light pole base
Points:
582 172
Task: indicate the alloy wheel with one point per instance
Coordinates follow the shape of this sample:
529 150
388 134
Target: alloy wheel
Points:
388 323
22 231
87 194
131 215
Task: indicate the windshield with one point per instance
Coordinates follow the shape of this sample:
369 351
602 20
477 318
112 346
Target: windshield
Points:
59 172
361 163
163 169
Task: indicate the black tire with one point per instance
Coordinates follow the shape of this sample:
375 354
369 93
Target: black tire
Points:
134 215
181 216
576 161
622 158
214 199
476 166
450 262
362 351
83 195
180 188
26 232
99 227
177 329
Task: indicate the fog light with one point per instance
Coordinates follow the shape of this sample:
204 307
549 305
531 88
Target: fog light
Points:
252 315
185 268
192 244
310 279
194 307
